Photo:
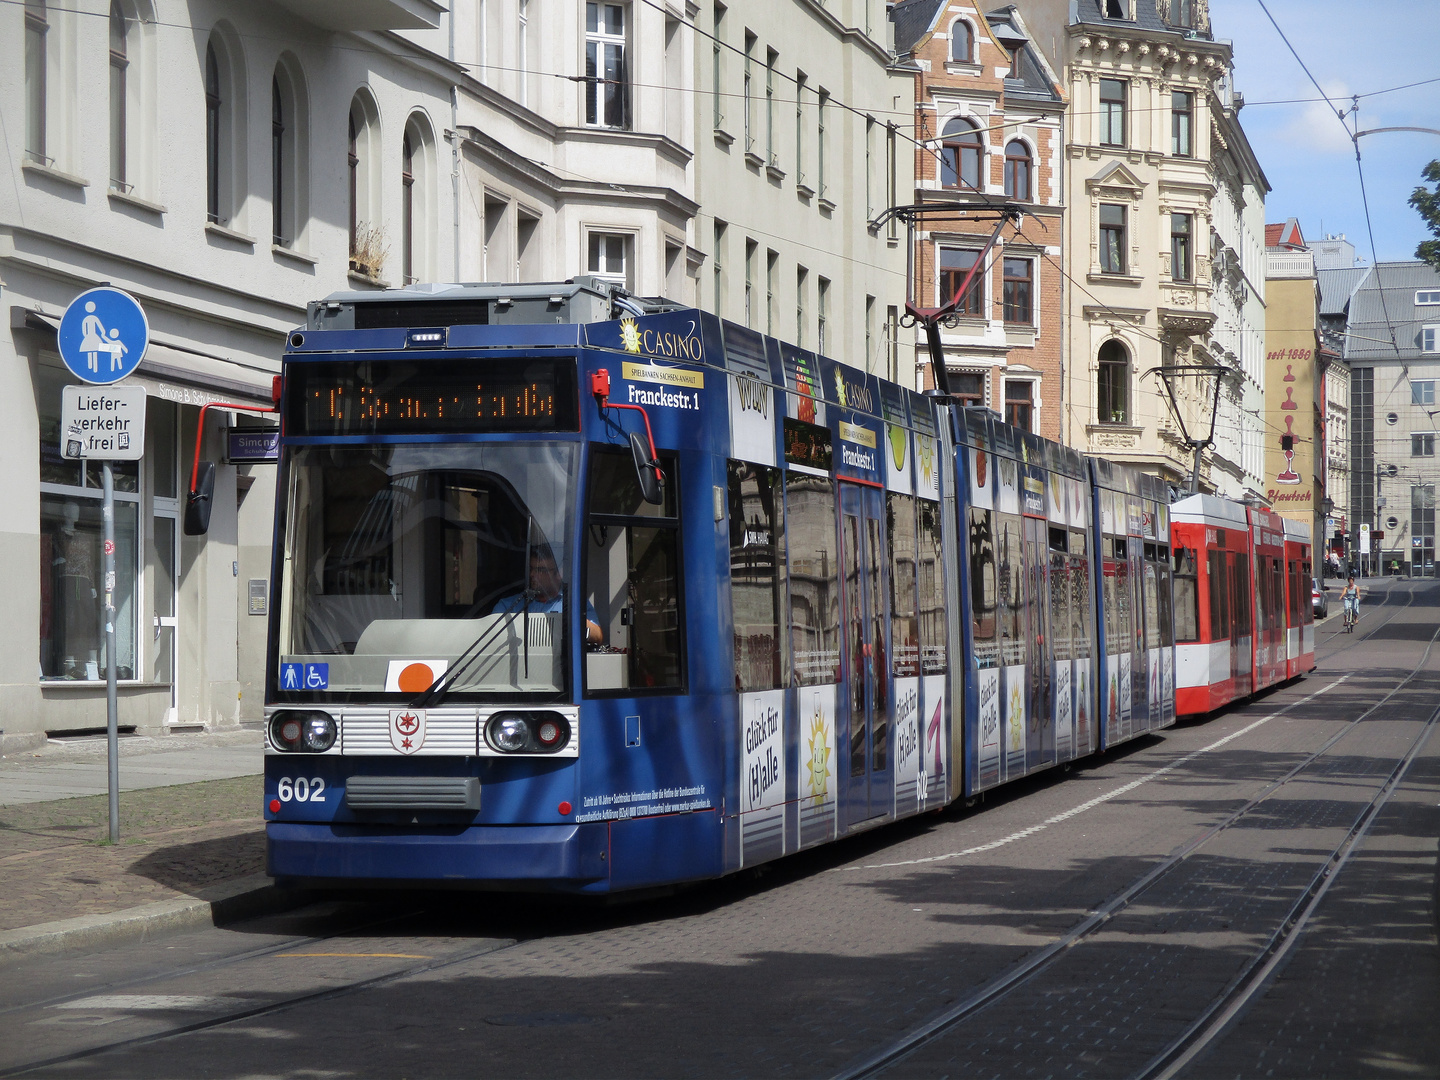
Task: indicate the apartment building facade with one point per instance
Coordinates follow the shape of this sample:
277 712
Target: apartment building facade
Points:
989 111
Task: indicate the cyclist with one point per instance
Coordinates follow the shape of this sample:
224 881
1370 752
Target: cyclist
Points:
1350 595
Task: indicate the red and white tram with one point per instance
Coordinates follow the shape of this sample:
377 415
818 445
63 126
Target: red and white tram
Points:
1242 617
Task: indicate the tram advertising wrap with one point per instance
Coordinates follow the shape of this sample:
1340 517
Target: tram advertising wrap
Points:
576 591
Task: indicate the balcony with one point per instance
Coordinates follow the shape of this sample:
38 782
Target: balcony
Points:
368 14
1289 264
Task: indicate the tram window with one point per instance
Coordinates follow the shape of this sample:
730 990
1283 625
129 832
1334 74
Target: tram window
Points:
1219 601
1011 591
1152 604
1292 607
904 621
615 489
757 576
1060 598
1165 596
633 581
1186 596
814 578
855 629
879 728
1059 540
930 597
1242 614
1081 602
982 580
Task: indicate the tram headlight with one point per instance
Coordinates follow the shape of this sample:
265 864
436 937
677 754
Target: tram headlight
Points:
508 732
527 733
303 731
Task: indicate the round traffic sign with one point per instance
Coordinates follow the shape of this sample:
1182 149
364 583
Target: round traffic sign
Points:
103 335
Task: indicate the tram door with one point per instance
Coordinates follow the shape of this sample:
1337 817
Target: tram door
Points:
870 792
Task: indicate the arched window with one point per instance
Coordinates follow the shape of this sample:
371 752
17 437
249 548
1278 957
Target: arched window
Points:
1017 170
119 63
418 224
225 157
368 242
407 208
962 155
962 42
1112 384
213 104
289 155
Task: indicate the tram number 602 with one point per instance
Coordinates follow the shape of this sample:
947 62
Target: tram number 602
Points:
301 789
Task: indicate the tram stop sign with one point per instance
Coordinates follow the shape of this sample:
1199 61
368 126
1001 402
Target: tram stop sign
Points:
103 335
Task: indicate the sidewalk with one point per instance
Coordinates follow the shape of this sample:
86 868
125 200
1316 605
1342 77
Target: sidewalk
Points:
191 848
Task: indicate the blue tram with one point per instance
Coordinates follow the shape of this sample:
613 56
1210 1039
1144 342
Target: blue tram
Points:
576 592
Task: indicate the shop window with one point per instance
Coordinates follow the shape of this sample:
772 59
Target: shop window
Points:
633 580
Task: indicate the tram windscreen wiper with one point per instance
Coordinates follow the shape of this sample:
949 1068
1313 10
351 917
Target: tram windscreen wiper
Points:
433 694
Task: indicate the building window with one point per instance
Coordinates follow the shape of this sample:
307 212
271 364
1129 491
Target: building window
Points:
522 50
802 286
1182 112
717 65
962 155
609 257
869 168
1112 238
717 263
407 209
968 387
1422 445
289 165
37 28
892 341
1182 13
748 92
1427 296
1017 170
368 245
962 42
824 99
1019 274
1112 112
119 64
1115 9
1020 403
771 157
822 312
213 105
277 164
1422 392
955 263
1180 251
800 127
752 252
869 331
607 81
1112 385
1430 339
772 266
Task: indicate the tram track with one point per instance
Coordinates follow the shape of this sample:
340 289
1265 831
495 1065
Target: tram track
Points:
288 1002
1254 975
1359 638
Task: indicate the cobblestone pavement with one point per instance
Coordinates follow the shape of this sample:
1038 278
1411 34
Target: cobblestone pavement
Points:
175 838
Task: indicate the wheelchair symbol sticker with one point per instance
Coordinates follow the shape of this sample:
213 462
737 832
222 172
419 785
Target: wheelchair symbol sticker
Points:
317 676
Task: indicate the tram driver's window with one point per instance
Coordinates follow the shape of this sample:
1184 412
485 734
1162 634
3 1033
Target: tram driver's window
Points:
633 579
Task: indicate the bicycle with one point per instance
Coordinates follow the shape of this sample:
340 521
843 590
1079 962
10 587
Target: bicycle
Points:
1352 616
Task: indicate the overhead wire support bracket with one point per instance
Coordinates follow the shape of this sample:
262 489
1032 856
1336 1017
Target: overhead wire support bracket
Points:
1166 372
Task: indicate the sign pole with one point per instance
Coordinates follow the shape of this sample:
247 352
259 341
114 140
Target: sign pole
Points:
112 728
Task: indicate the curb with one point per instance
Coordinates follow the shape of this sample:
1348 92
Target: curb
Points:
229 901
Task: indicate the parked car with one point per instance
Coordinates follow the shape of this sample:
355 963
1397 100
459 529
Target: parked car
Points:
1318 600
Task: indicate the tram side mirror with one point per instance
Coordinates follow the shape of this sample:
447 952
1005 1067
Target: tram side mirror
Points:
646 470
199 501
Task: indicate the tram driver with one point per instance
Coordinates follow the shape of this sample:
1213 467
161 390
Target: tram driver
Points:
546 593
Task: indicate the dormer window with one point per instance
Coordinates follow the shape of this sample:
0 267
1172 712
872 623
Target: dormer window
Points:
1115 9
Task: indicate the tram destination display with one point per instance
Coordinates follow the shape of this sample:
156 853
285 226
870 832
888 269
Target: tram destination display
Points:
408 397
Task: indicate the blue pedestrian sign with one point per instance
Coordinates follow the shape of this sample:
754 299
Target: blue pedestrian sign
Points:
103 335
304 676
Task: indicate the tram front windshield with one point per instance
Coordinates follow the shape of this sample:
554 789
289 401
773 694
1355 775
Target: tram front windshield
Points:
404 564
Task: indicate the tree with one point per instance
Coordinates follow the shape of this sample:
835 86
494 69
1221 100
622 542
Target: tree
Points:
1427 204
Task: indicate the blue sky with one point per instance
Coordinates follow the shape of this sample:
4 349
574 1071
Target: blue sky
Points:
1351 48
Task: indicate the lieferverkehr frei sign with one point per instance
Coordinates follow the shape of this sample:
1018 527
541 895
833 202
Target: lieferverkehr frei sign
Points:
102 422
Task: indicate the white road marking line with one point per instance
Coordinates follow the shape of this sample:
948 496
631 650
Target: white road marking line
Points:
139 1002
1099 799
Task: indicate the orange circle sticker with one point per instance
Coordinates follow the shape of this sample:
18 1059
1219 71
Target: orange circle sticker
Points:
415 678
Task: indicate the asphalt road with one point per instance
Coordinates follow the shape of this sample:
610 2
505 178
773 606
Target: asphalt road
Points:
816 966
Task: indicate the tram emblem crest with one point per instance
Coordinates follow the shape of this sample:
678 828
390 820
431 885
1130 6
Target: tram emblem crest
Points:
407 729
